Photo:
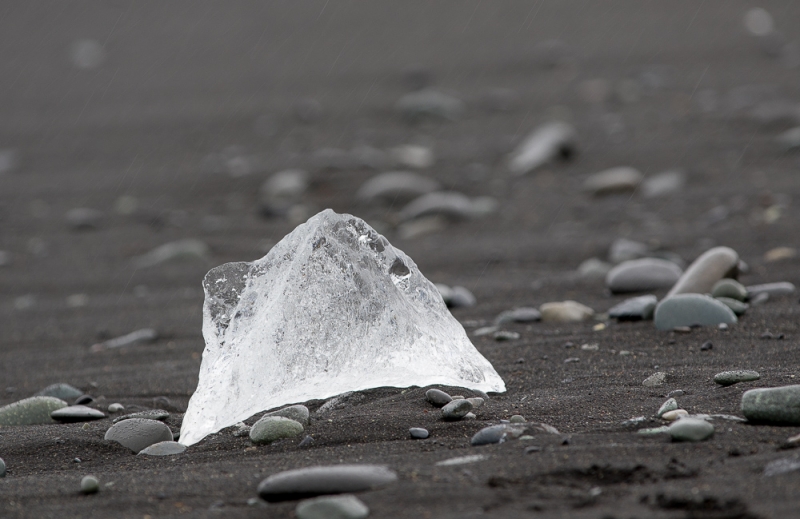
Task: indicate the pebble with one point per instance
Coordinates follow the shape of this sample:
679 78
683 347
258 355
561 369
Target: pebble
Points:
271 428
142 335
691 310
320 480
438 397
643 274
461 297
396 186
729 288
791 443
448 204
165 448
2 468
663 184
653 430
519 315
83 400
334 507
281 191
30 411
505 335
728 378
150 414
710 267
476 402
738 307
138 433
594 268
771 289
656 379
62 391
670 405
186 249
779 253
89 485
490 435
634 309
614 180
782 466
460 460
457 409
517 418
414 156
549 141
690 430
76 413
84 218
675 414
774 405
470 416
429 104
707 346
623 249
116 408
565 312
299 413
418 433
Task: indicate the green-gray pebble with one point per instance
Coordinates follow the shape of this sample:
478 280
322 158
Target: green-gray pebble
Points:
30 411
669 405
691 310
165 448
729 288
89 485
332 507
517 418
62 391
727 378
690 430
653 430
298 413
150 414
457 409
271 428
738 307
775 405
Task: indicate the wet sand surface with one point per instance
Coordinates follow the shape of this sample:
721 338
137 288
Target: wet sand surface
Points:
183 84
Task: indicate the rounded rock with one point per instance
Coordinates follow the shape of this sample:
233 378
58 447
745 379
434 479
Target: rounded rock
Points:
457 409
116 408
669 405
675 414
641 275
30 411
271 428
656 379
691 310
62 391
321 480
418 433
517 418
166 448
476 401
727 378
150 414
139 433
729 288
738 307
490 435
772 405
710 267
519 315
76 413
614 180
333 507
634 309
690 430
299 413
565 312
438 397
89 485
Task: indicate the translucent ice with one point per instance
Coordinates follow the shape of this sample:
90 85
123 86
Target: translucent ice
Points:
332 308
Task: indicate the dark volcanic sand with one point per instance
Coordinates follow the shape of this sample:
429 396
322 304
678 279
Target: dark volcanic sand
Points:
186 79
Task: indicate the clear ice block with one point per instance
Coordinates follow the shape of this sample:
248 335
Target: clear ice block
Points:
331 308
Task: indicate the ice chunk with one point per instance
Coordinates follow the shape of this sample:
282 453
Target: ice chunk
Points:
331 308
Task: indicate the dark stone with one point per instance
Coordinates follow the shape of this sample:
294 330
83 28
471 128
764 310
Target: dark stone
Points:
76 413
321 480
